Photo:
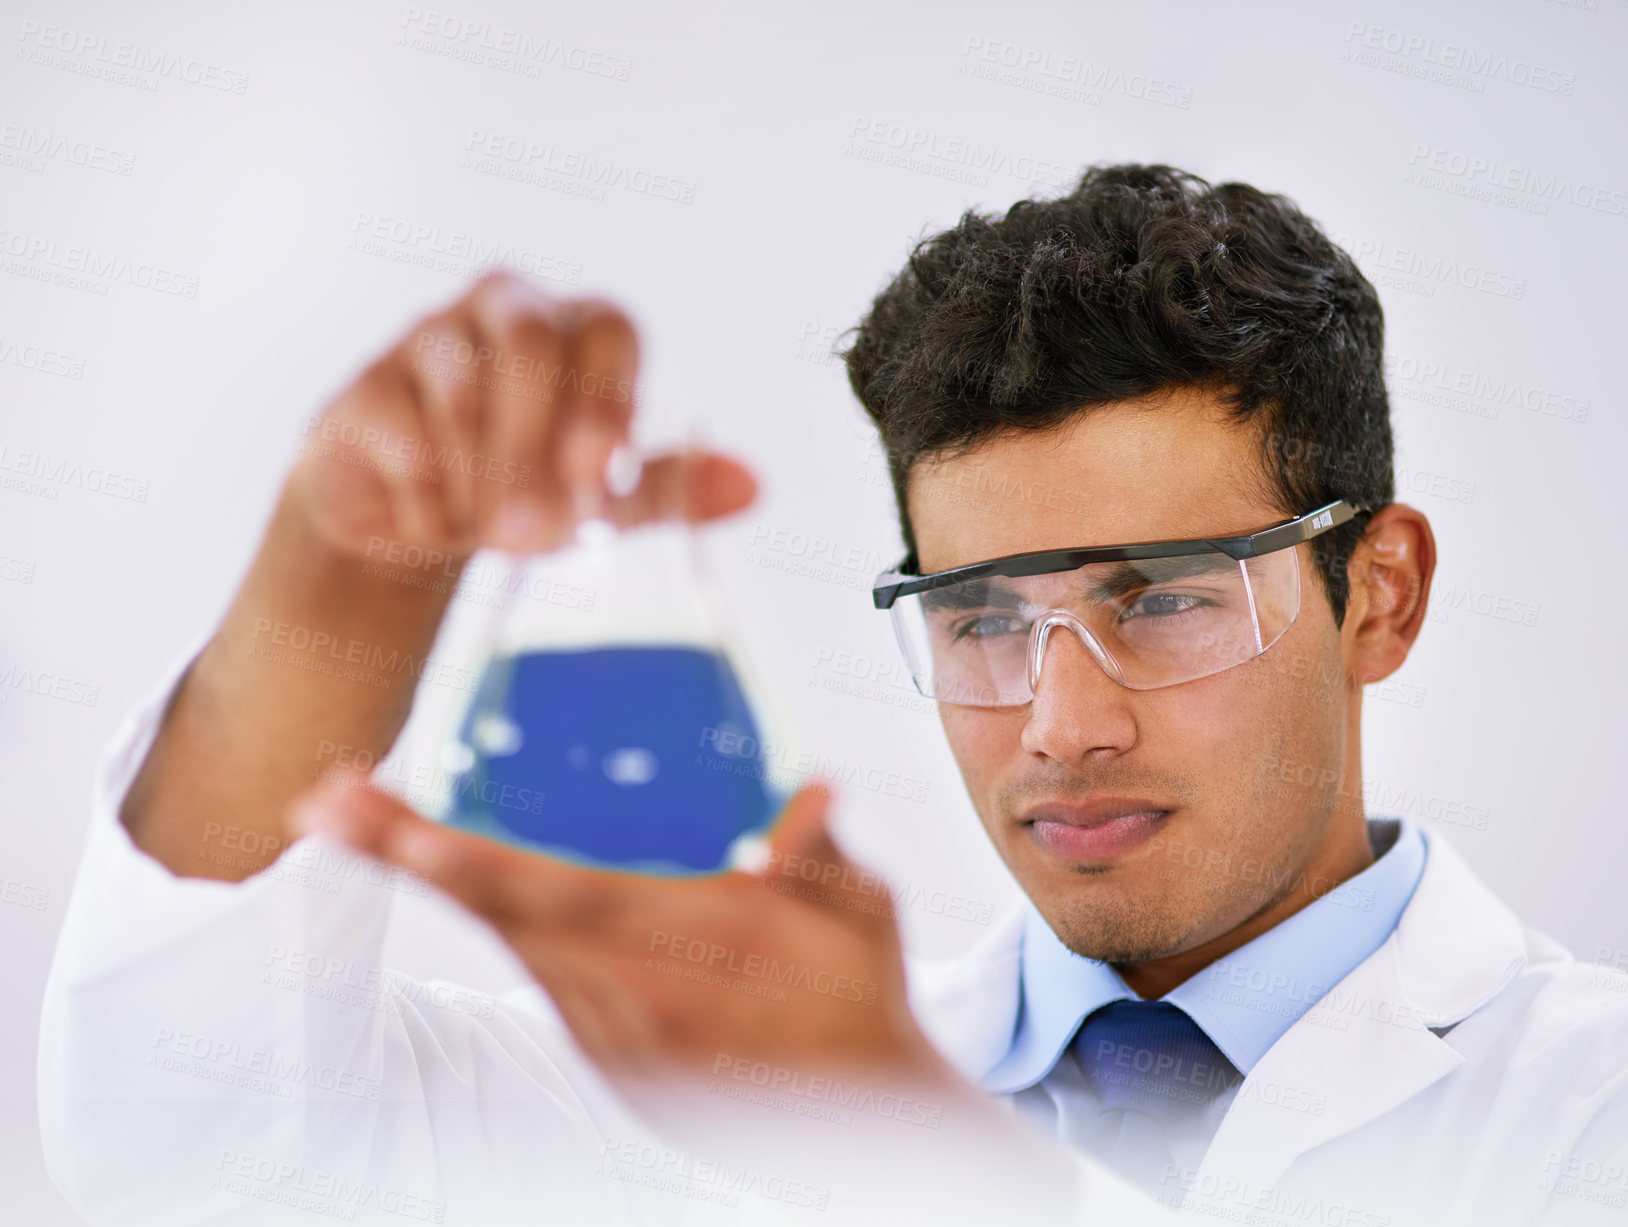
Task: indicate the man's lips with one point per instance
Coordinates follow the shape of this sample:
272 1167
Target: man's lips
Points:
1096 829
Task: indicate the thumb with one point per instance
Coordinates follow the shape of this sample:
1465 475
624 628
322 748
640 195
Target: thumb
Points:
347 806
686 484
801 834
804 857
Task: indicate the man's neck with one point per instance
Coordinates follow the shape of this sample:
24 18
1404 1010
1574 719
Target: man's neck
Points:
1347 853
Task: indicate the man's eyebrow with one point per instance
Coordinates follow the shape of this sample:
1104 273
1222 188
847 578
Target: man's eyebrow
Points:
1120 579
975 594
1125 578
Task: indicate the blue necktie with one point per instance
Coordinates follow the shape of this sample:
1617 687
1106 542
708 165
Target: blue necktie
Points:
1155 1072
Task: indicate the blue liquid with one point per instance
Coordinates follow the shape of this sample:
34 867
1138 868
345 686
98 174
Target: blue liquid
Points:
644 758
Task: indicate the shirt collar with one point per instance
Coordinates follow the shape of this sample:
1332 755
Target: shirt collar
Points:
1244 1002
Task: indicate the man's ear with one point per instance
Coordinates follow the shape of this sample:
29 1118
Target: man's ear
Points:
1389 575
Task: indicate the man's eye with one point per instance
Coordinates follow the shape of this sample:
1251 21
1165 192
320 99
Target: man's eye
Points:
1162 605
990 626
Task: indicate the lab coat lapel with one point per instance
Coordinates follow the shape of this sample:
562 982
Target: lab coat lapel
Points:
969 1006
1356 1055
1368 1046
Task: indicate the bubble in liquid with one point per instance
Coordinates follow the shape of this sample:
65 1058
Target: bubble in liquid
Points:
630 765
497 735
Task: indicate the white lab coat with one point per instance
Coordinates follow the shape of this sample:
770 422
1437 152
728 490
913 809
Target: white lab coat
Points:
234 1053
1470 1071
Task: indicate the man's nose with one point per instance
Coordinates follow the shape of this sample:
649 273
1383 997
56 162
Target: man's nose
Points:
1077 709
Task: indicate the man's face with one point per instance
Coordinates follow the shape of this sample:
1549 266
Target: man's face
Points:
1227 830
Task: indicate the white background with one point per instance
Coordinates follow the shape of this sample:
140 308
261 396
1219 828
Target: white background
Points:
784 122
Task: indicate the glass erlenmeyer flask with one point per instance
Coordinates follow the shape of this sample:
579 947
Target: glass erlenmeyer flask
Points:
613 723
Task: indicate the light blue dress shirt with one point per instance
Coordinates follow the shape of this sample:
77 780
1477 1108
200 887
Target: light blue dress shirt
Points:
1244 1002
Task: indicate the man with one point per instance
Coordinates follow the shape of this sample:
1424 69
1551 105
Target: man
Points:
1227 984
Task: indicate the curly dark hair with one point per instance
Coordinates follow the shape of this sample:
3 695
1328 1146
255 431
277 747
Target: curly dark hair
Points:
1142 279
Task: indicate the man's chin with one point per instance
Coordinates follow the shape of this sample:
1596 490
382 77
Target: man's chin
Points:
1119 929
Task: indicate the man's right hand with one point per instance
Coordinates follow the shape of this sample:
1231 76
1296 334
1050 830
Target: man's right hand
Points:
488 424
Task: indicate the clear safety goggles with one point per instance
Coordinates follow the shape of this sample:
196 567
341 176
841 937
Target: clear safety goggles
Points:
1151 614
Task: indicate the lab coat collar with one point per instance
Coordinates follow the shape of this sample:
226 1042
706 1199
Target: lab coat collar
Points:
1372 1043
968 1006
1376 1039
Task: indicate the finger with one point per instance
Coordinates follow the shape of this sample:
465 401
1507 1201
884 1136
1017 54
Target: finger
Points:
410 490
800 830
802 849
505 885
439 356
521 370
610 1024
595 402
701 485
345 511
